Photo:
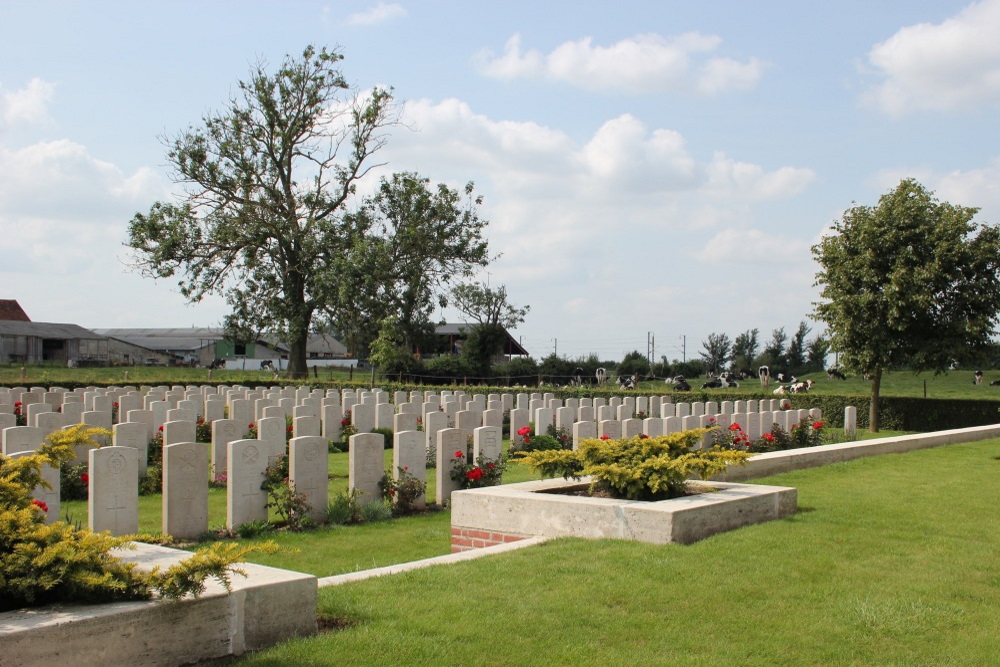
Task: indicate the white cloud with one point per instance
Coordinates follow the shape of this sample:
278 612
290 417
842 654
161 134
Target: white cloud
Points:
27 106
948 66
644 63
751 181
380 13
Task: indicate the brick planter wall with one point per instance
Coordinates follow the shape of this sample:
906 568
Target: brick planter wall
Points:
464 539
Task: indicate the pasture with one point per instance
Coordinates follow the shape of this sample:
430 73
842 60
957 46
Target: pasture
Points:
955 384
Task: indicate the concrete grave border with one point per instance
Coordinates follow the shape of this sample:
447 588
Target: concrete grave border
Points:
497 514
267 606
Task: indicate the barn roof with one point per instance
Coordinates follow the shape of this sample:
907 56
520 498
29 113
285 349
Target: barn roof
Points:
47 330
10 310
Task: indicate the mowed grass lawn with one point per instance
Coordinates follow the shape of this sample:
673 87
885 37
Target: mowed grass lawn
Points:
890 561
329 550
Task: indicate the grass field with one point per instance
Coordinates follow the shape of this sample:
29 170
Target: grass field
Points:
956 384
890 561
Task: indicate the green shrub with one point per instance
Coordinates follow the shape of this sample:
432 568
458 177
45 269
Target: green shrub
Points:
73 481
639 468
376 510
403 491
387 436
255 528
344 508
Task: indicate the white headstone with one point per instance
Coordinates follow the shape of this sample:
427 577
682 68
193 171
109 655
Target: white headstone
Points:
366 465
308 472
245 500
113 490
185 491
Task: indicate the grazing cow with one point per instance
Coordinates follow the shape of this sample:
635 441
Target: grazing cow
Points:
764 373
626 382
835 374
267 365
601 375
577 378
217 363
680 384
979 377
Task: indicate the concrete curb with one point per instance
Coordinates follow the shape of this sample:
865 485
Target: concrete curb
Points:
447 559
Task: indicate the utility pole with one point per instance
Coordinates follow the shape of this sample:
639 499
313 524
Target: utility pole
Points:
555 347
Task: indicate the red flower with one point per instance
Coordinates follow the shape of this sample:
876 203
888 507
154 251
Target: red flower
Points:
643 436
735 427
343 422
251 425
605 437
17 404
406 467
289 429
458 455
490 466
85 478
40 505
392 492
524 430
769 437
711 419
817 425
474 474
114 405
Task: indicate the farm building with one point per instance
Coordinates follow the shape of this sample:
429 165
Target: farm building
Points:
27 342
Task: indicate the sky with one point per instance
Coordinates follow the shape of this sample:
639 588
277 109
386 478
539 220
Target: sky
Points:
651 171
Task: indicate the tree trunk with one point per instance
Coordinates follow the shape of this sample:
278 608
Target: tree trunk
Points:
297 368
873 421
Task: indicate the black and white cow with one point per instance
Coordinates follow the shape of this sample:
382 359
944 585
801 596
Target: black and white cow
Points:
835 374
267 365
764 373
978 377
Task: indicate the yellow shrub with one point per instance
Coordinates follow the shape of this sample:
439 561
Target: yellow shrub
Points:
638 468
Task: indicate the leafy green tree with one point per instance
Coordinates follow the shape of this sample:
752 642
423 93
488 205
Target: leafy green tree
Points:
716 351
389 352
493 314
745 349
796 354
909 281
412 242
774 353
632 363
265 182
818 348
